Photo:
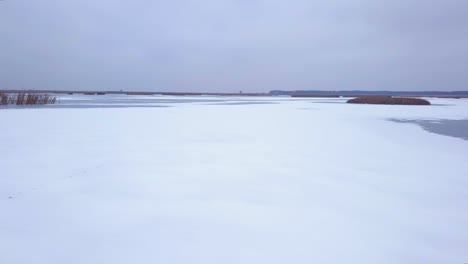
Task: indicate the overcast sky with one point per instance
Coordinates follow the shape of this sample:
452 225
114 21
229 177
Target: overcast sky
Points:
232 45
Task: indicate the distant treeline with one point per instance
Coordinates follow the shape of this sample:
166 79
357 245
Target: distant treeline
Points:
361 93
94 92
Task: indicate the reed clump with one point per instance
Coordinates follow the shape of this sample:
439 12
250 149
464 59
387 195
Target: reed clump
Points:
388 100
26 99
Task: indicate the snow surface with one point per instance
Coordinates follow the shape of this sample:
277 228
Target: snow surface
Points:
231 180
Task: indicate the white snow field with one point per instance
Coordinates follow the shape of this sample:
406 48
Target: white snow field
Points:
116 179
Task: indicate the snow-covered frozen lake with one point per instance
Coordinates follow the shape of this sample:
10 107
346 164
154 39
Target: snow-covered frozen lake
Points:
159 179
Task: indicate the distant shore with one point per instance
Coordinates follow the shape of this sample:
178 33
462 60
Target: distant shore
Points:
299 93
94 92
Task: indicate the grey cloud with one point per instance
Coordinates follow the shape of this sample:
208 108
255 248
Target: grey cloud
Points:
259 45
